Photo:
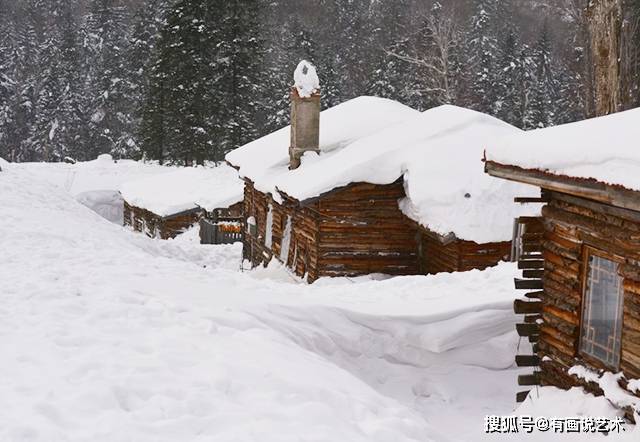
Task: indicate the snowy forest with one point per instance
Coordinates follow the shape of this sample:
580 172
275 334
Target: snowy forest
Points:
186 81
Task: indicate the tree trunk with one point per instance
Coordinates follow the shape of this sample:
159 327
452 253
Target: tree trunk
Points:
605 28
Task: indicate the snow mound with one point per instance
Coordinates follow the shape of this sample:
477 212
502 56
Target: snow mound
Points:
554 403
4 164
306 79
105 157
106 203
604 148
185 189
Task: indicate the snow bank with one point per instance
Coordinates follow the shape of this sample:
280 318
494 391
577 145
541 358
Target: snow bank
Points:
554 403
604 148
106 203
306 79
168 341
4 164
185 189
101 174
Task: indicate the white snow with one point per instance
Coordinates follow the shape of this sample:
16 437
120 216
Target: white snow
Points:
4 164
438 152
604 148
111 336
306 79
608 382
94 183
266 160
106 203
553 403
54 127
185 189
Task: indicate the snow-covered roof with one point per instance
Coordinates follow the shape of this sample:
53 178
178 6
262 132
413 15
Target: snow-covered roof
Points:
438 152
185 189
266 161
603 148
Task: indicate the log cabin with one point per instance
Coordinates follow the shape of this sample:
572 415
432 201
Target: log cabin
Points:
165 205
581 258
372 186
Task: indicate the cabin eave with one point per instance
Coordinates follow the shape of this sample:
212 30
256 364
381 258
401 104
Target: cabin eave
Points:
587 188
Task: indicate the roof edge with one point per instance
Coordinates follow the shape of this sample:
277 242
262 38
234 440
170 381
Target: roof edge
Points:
589 188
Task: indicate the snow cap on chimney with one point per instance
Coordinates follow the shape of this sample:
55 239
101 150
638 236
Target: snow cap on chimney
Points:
306 79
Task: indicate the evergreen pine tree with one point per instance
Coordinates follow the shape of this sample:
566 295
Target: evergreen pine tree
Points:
544 94
109 122
482 51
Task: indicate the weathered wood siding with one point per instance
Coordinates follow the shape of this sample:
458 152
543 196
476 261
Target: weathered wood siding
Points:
571 224
458 256
362 231
302 256
154 226
356 230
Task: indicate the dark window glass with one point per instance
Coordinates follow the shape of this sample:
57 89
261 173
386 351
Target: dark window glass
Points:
602 312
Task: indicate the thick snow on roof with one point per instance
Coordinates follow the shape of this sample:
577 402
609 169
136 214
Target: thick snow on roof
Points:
306 79
266 161
184 189
604 148
439 152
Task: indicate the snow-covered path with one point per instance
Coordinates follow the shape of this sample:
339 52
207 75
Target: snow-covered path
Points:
106 335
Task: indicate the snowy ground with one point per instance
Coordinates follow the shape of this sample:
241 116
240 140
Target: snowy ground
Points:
107 335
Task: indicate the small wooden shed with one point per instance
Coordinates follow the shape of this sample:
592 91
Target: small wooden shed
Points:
159 226
167 204
581 259
372 192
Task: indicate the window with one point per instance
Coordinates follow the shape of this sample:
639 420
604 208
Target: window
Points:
601 327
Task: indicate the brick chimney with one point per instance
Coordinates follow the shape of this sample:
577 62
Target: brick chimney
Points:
305 114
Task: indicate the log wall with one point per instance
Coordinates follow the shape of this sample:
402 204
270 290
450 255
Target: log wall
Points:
457 255
303 246
154 226
356 230
571 225
363 231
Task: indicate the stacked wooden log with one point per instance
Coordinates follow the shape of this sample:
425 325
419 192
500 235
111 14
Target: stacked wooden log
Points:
572 224
530 262
455 255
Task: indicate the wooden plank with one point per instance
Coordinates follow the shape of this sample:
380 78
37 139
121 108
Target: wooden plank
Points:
530 256
580 187
530 319
521 307
528 284
627 214
528 379
531 273
526 199
527 360
528 329
531 264
535 295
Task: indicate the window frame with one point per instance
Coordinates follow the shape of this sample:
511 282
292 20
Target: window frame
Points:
587 252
